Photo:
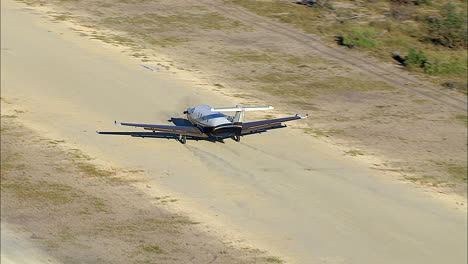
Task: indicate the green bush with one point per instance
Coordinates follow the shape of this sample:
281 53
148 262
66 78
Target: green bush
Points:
436 66
363 38
450 28
415 58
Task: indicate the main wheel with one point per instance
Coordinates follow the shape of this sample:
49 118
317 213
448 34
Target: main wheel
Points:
237 138
183 139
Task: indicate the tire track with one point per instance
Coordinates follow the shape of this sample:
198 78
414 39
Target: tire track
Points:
364 65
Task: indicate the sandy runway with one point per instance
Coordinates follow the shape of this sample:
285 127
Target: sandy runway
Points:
285 191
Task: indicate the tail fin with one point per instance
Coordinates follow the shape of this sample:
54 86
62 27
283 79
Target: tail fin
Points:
239 108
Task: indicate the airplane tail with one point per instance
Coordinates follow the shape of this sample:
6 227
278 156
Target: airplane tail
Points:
239 116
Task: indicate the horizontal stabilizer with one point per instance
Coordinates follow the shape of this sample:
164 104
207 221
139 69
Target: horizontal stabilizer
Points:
241 108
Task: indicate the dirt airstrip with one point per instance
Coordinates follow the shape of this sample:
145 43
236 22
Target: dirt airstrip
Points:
372 110
301 193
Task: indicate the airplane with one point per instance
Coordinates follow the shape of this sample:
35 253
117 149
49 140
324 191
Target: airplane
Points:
208 122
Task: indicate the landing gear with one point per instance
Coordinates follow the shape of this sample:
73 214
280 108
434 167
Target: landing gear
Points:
236 138
182 139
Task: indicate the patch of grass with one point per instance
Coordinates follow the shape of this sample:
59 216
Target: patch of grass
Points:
182 220
66 235
462 118
167 41
9 116
274 260
420 101
288 90
270 57
91 170
428 180
77 154
114 39
135 171
247 55
61 17
178 220
127 20
139 55
322 132
182 21
307 86
55 193
55 142
354 152
152 249
285 12
456 171
62 169
98 204
440 66
275 77
361 38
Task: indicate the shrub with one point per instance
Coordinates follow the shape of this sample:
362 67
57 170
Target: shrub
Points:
436 66
450 28
415 58
363 38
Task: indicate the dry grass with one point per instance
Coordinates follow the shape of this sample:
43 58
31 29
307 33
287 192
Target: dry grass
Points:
393 34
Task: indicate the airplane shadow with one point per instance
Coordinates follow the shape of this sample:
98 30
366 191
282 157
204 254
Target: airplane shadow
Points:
179 122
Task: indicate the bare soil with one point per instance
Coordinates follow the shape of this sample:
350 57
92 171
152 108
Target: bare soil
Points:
78 212
369 109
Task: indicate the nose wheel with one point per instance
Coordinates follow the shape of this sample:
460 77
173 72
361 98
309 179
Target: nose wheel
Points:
182 139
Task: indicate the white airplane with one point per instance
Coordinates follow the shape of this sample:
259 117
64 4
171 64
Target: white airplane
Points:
210 122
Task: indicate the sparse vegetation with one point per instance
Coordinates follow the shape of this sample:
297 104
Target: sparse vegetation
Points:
91 170
317 132
437 28
449 28
434 65
456 171
354 152
183 20
415 58
168 41
362 38
9 116
274 260
62 17
462 118
152 249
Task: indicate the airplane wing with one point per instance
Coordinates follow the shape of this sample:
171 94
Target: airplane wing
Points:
265 124
179 130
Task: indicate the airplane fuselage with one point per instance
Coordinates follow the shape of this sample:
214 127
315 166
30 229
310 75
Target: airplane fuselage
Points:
213 123
210 122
